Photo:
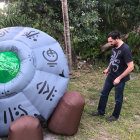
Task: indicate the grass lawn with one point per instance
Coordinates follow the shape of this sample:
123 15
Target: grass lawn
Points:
90 83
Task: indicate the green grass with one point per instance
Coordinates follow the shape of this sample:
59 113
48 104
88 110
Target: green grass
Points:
90 83
96 128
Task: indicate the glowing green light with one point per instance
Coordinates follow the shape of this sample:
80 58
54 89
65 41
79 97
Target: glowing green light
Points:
9 66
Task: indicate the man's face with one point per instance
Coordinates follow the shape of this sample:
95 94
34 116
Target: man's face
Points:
113 42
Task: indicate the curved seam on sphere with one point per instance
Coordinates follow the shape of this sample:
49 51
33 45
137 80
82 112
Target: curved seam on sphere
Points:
29 46
53 74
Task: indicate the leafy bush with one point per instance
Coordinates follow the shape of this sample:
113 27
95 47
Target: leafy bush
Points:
84 19
133 41
90 49
47 16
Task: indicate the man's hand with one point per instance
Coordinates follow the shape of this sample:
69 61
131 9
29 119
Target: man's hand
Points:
116 81
126 72
105 72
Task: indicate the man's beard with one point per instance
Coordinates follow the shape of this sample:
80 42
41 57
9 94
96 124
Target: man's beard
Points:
115 45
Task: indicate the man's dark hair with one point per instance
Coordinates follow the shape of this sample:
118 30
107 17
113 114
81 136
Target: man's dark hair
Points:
114 35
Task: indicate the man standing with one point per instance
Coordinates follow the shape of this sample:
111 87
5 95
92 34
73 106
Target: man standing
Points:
121 64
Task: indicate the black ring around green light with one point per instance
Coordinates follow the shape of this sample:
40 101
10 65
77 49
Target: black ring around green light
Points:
9 66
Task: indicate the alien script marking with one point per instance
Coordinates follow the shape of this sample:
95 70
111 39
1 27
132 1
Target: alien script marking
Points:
44 88
31 35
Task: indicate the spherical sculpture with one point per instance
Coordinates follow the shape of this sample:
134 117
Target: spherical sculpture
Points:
42 77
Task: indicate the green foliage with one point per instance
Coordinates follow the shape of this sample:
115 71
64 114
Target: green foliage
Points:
90 21
121 15
134 42
90 49
43 15
11 17
47 16
84 21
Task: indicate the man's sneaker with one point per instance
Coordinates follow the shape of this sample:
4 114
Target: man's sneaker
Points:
111 119
96 114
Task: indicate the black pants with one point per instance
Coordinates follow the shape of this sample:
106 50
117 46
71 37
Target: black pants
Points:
119 88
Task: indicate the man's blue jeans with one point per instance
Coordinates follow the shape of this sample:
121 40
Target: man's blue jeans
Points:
119 88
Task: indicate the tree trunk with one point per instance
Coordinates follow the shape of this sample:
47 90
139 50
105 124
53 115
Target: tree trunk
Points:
67 33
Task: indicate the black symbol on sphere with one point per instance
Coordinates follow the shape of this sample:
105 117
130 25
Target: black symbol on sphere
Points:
17 113
31 35
62 74
50 93
50 55
35 115
43 87
14 112
3 32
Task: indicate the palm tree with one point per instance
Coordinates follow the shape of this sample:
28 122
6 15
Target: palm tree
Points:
67 33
